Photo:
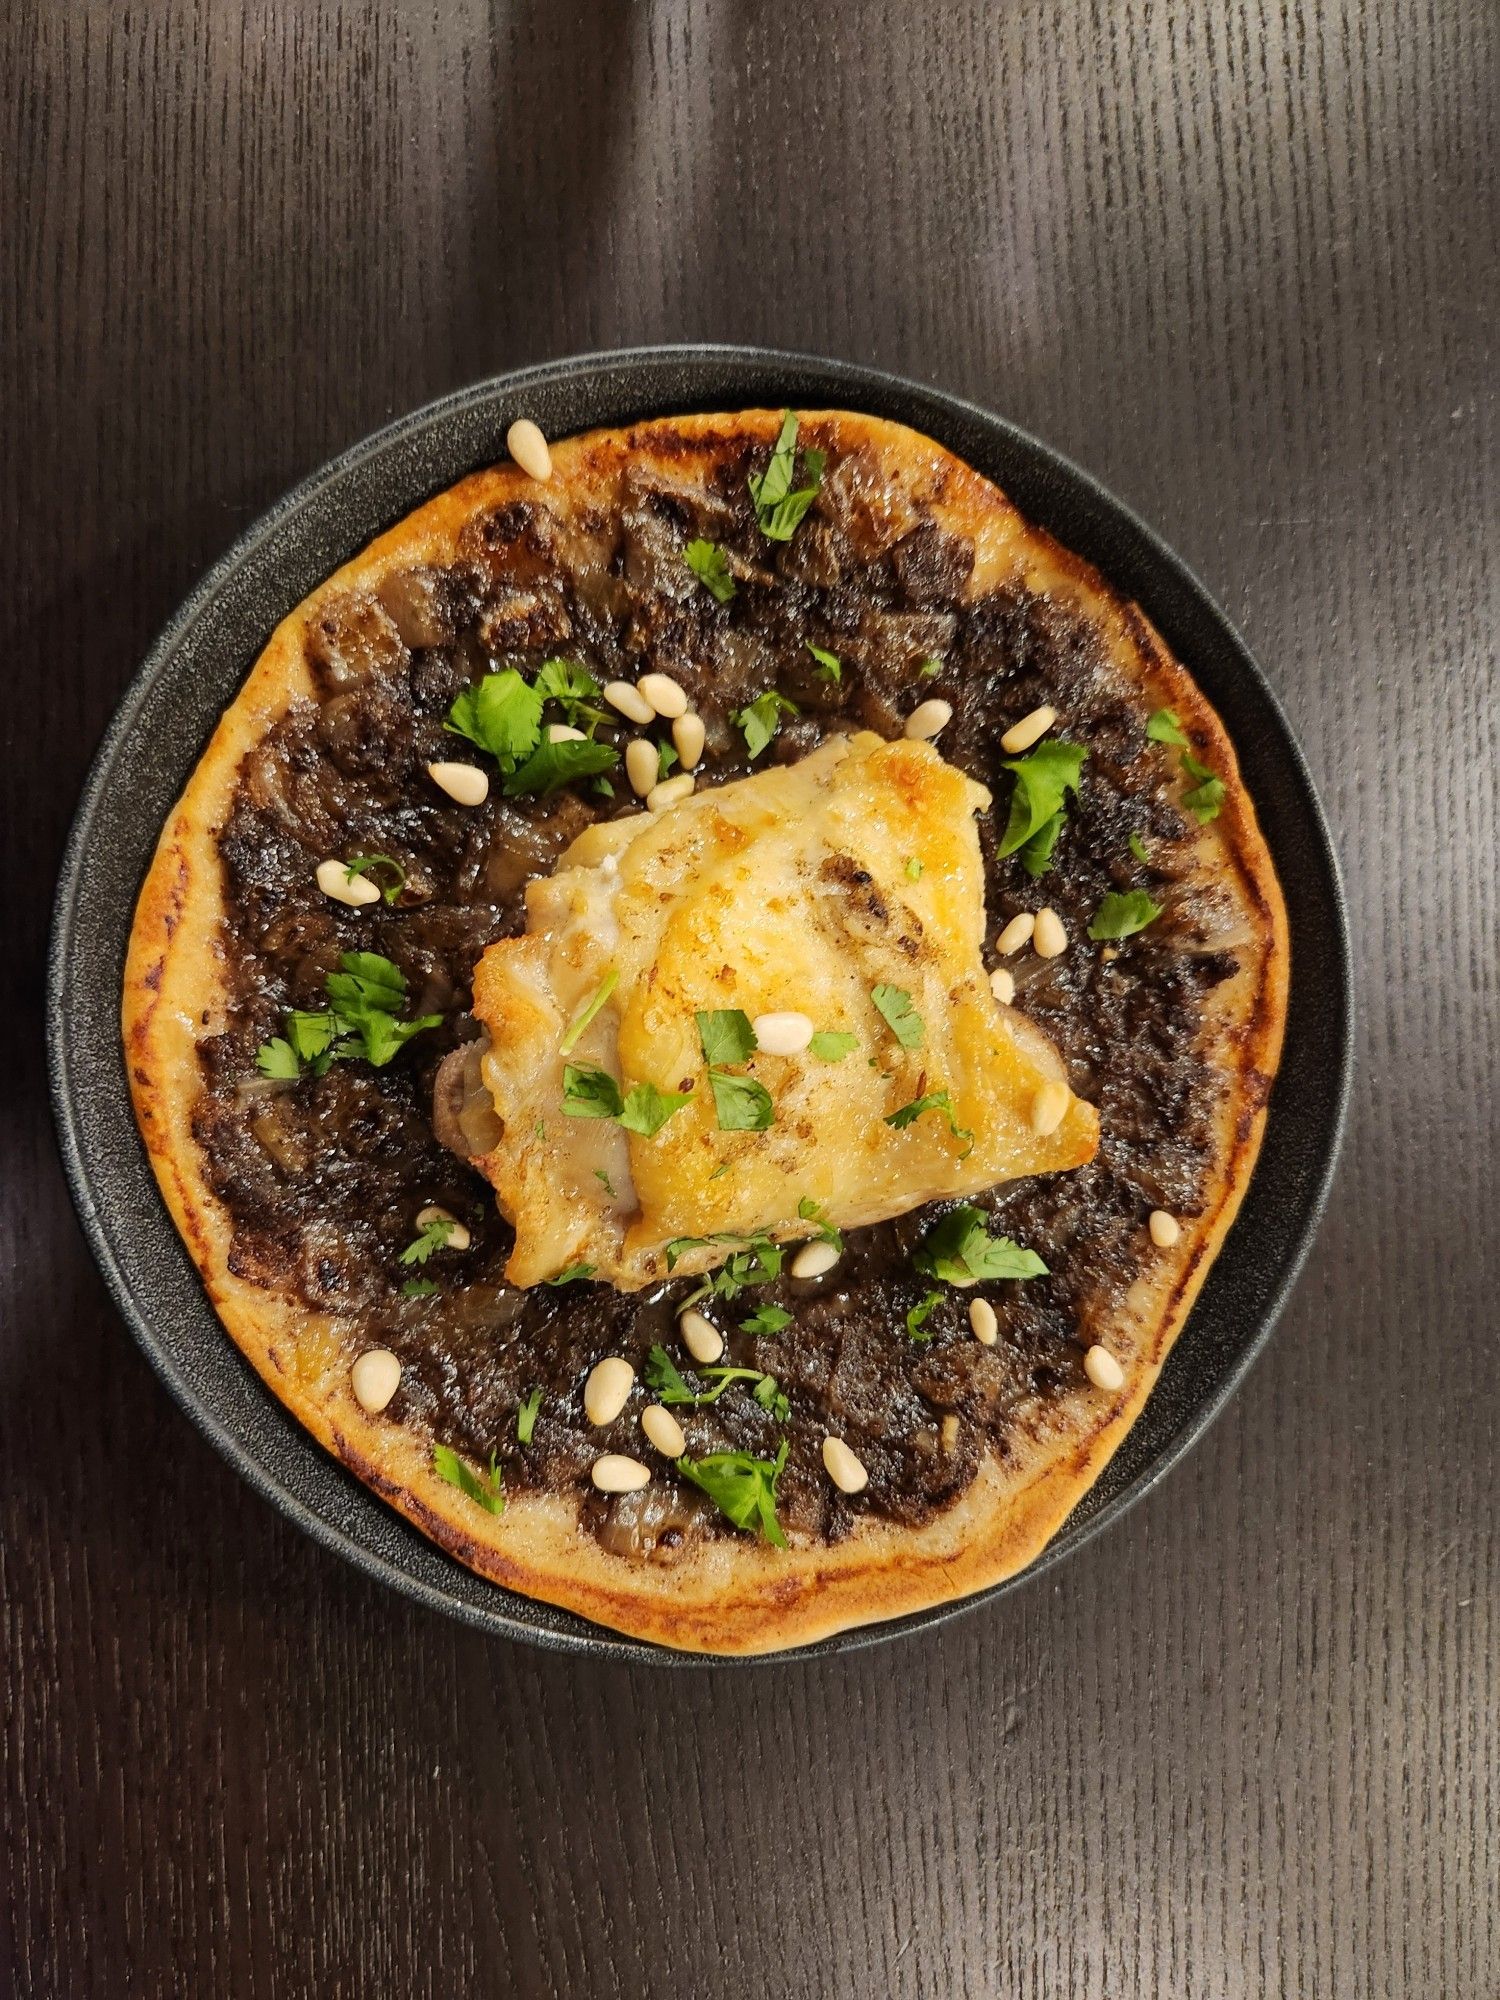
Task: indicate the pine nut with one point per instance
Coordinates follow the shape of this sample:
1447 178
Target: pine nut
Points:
700 1337
335 880
782 1034
1049 940
634 707
688 733
813 1260
1016 933
664 694
614 1473
465 783
949 1433
563 732
1049 1108
842 1467
982 1319
642 765
1003 985
1165 1229
375 1378
1102 1368
671 791
930 719
527 446
1030 729
663 1430
607 1390
458 1238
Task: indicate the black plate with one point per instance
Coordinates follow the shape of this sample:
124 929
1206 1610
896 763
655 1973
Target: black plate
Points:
194 670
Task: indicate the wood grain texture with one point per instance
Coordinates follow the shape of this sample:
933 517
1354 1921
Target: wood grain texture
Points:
1239 261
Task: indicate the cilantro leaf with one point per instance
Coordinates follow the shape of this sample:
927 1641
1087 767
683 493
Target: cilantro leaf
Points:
502 714
772 1397
812 1211
311 1035
959 1250
574 688
766 1319
666 757
571 1274
418 1288
1036 855
432 1236
1138 849
364 864
726 1035
741 1487
1120 916
1206 798
929 670
710 565
830 666
646 1109
526 1417
590 1092
489 1494
1164 727
552 764
759 721
913 869
278 1058
934 1100
742 1104
833 1044
666 1380
589 1009
919 1315
755 1260
778 508
365 993
1043 781
903 1020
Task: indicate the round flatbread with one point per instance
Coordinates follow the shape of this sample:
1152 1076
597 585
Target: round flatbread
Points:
297 1168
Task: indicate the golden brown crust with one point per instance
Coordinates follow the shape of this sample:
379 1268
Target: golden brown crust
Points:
738 1596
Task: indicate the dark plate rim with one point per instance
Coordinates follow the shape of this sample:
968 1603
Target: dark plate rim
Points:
852 385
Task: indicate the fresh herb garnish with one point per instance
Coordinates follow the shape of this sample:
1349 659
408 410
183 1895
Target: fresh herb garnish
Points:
594 1093
589 1009
552 764
741 1487
742 1104
365 864
766 1319
1164 727
1036 855
572 1274
913 869
919 1315
666 757
418 1288
830 666
725 1036
959 1250
672 1388
646 1108
362 1021
833 1044
1138 849
720 1169
934 1100
605 1182
1122 915
778 507
759 721
574 688
502 714
489 1494
1043 781
929 670
903 1020
1207 796
823 1230
432 1236
526 1417
710 565
755 1260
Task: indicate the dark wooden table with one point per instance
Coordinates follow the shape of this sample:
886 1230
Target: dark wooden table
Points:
1239 261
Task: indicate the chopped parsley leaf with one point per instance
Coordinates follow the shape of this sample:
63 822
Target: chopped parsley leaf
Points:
277 1058
666 757
553 764
710 565
646 1109
919 1315
502 714
489 1494
1164 727
1122 915
418 1288
830 666
760 719
1043 781
364 864
674 1389
959 1250
929 670
605 1182
432 1236
574 689
725 1035
742 1104
903 1020
1138 849
741 1487
833 1044
1206 798
934 1100
812 1211
572 1274
526 1417
1036 855
590 1092
755 1260
778 507
766 1319
362 1020
913 869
